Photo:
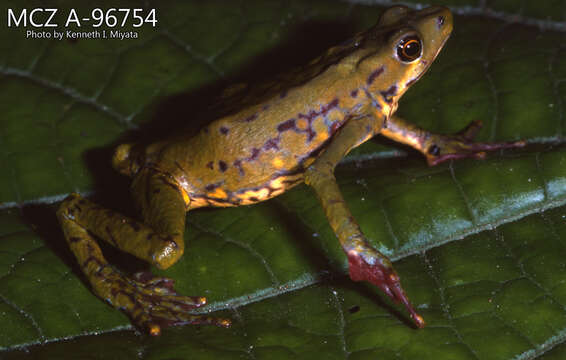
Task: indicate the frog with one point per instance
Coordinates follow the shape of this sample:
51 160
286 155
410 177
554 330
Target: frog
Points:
293 130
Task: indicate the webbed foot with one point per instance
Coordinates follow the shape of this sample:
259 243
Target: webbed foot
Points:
151 302
379 271
441 148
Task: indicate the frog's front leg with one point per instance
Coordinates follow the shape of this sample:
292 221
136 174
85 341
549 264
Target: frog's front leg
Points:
365 262
438 148
151 302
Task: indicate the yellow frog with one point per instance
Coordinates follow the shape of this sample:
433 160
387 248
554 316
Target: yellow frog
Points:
296 131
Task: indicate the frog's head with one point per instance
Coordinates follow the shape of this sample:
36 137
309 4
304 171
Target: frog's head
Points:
399 49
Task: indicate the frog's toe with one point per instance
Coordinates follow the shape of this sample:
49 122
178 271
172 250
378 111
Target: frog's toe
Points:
157 305
379 271
164 317
161 308
442 148
152 302
458 149
155 283
172 312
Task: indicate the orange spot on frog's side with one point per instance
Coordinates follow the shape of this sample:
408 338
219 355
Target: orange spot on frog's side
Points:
278 163
277 183
255 195
218 193
186 197
302 124
321 137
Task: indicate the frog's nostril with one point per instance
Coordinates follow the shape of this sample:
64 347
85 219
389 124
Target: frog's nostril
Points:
440 21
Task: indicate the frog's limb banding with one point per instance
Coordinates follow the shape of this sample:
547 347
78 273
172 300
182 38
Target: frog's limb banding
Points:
151 302
365 262
438 148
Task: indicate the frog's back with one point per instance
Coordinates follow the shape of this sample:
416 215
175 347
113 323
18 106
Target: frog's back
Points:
258 152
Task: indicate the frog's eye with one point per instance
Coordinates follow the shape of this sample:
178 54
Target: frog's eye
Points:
434 150
409 48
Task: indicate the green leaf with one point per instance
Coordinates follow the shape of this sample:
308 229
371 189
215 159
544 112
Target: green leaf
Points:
478 244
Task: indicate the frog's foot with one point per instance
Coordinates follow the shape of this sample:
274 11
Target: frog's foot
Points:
152 303
379 271
441 148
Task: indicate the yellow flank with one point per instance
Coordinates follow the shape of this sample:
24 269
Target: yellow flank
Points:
260 194
321 137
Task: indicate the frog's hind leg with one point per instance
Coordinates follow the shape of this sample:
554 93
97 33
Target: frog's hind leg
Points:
438 148
150 301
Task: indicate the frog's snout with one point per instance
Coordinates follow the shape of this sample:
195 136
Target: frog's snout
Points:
434 24
442 19
442 15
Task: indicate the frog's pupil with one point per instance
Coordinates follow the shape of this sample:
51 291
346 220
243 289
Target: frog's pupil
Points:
409 48
434 150
412 48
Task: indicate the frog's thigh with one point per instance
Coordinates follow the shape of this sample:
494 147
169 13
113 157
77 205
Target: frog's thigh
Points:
159 241
164 209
